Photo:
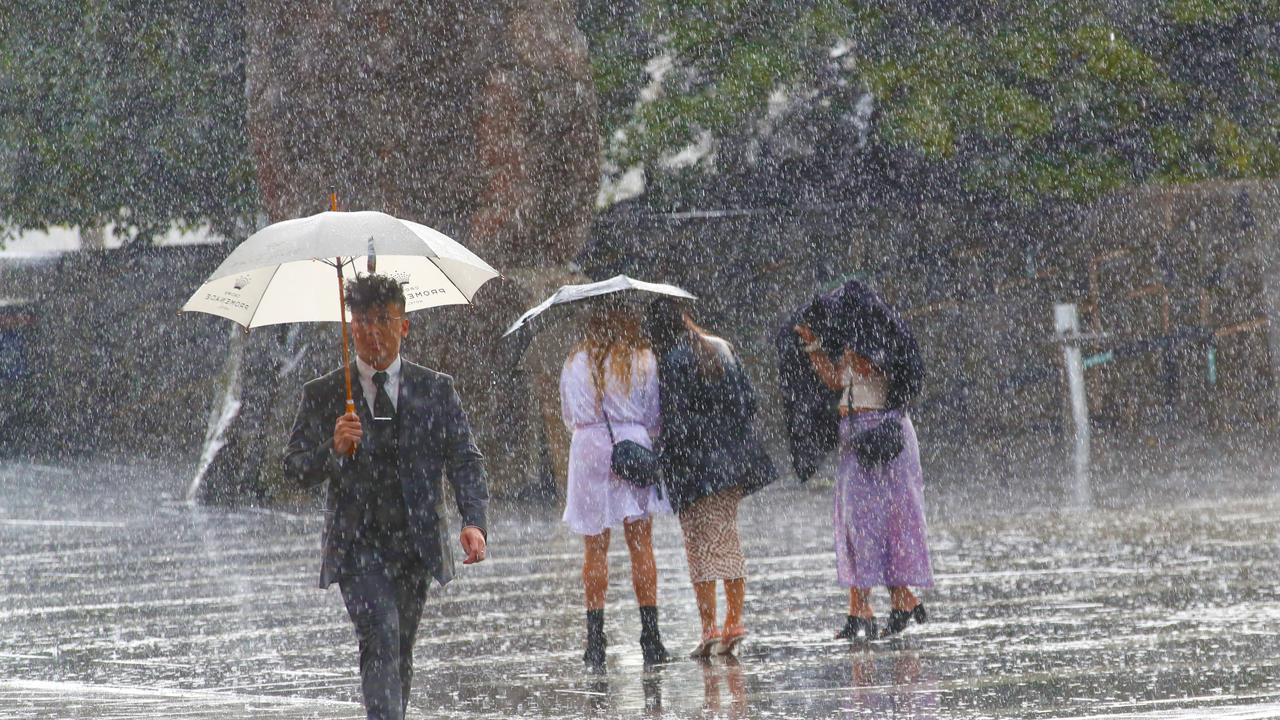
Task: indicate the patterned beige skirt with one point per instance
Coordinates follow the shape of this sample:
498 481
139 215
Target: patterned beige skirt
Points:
711 543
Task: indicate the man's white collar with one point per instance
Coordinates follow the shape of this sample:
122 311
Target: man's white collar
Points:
367 371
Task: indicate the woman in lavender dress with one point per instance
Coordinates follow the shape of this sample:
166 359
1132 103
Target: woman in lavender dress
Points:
611 377
880 530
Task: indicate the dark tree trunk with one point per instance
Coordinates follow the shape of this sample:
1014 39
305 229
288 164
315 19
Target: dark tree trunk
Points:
477 119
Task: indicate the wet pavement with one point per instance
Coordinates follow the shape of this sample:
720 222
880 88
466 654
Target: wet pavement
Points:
121 601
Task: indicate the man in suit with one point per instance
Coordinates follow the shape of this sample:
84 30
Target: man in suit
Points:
385 533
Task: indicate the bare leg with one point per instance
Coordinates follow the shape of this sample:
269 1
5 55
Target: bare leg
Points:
595 585
735 591
858 603
705 593
862 620
644 578
595 569
906 607
644 571
901 598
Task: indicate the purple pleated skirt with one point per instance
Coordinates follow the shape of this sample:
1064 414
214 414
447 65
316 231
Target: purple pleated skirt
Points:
880 530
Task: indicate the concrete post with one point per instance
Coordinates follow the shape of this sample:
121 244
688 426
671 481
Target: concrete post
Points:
1262 240
1066 325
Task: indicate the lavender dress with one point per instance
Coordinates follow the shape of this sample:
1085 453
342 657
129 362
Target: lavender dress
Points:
598 499
879 513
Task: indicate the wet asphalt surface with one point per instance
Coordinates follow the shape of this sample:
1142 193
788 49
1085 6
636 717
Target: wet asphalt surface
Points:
1160 601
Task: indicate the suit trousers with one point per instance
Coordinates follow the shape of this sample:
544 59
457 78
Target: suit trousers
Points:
384 593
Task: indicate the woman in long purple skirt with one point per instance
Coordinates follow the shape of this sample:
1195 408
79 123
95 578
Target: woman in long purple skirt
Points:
878 518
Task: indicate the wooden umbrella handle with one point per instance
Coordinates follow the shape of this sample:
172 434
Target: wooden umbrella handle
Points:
346 354
342 316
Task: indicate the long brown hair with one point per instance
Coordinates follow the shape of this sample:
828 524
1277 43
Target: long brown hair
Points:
711 361
612 341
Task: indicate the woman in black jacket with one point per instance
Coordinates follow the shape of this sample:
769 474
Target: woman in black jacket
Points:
711 459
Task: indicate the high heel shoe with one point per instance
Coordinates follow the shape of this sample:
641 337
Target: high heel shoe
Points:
854 625
704 648
899 619
730 639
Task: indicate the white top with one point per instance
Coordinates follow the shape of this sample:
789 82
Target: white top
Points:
595 498
863 391
580 403
366 372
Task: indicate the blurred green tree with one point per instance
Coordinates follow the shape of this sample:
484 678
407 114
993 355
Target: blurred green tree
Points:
130 114
998 102
133 113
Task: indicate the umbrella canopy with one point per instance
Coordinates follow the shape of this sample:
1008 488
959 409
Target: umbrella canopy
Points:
615 284
856 317
850 316
285 272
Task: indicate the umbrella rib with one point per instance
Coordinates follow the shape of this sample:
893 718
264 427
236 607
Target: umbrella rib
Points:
264 293
446 277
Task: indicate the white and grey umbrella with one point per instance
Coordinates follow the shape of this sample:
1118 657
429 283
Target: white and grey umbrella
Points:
285 272
615 284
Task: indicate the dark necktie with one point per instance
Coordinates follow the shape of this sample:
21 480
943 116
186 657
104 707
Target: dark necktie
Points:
382 407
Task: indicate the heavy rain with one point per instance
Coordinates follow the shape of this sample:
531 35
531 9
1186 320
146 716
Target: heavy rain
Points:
983 291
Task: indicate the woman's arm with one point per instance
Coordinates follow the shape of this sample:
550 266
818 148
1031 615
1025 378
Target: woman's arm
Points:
569 391
677 377
827 371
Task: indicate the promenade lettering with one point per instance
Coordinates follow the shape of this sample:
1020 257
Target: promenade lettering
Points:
416 294
224 300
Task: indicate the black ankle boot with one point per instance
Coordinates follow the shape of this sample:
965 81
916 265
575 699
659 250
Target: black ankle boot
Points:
899 619
650 638
594 656
853 625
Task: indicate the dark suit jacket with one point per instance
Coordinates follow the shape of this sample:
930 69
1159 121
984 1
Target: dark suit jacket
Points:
435 439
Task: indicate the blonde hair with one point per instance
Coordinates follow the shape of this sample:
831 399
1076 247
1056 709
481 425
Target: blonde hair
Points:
612 341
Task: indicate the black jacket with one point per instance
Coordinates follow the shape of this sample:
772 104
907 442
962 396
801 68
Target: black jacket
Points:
435 439
851 316
708 441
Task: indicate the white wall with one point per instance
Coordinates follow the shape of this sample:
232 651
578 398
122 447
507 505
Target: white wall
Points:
62 239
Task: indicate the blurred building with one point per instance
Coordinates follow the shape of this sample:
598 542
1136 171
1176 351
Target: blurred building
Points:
1178 288
104 360
1177 285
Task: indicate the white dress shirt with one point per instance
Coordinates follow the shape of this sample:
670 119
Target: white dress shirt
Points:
366 372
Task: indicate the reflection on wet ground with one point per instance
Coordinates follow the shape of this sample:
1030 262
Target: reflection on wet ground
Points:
121 601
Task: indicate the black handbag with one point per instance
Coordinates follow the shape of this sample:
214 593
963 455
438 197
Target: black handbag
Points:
632 461
880 444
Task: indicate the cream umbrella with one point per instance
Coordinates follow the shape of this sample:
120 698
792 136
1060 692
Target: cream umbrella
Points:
287 272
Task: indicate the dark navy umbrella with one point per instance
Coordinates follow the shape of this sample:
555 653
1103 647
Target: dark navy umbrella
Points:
851 316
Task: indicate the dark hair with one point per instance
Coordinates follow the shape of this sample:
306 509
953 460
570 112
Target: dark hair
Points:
669 323
373 291
664 324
